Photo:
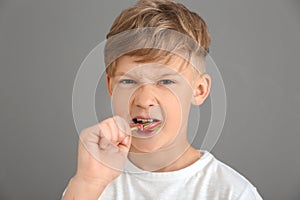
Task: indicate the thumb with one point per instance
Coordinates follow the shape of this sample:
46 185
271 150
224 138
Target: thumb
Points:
125 143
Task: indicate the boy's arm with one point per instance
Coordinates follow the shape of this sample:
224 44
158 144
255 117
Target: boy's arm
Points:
78 188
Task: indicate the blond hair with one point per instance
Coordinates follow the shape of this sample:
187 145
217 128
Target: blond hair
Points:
161 14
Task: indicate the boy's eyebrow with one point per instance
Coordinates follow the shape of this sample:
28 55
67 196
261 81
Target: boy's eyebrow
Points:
119 74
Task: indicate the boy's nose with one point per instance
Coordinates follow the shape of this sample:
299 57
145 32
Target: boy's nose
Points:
144 97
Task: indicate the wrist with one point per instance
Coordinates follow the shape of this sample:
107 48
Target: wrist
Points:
89 181
81 188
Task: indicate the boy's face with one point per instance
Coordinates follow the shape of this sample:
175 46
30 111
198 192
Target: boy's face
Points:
161 91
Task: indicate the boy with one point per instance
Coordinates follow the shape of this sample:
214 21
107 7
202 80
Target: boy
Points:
155 56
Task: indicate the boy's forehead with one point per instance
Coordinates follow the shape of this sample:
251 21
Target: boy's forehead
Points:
173 63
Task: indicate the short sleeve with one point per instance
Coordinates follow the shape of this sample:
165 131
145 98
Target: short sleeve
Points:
250 193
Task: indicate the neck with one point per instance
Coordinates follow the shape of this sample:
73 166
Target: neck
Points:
190 156
174 157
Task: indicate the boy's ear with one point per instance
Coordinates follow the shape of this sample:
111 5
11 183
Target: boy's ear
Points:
201 89
108 83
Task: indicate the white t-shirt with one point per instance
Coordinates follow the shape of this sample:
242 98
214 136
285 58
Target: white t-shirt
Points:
206 179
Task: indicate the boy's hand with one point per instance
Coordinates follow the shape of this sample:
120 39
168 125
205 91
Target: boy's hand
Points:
102 151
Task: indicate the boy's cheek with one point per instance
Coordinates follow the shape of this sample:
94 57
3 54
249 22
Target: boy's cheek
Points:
183 94
121 102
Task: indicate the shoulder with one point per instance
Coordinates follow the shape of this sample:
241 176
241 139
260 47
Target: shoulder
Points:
225 179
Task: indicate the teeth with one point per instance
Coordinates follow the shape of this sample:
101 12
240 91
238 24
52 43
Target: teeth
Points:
139 120
146 120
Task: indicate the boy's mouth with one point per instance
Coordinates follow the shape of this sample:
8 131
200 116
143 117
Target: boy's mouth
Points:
145 126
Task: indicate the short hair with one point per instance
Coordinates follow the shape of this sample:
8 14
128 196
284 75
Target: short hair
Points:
161 14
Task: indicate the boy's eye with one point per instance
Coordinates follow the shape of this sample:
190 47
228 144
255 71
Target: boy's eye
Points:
165 82
127 81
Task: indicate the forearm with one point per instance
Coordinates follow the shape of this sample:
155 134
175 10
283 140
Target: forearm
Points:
80 189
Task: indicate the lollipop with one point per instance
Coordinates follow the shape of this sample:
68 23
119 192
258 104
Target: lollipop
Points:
145 124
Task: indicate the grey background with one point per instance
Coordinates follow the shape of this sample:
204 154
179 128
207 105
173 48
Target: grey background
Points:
255 44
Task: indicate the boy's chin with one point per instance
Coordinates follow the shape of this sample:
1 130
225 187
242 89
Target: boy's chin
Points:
143 146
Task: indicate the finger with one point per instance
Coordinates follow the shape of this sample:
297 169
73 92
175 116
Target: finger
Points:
104 130
114 132
124 133
125 143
